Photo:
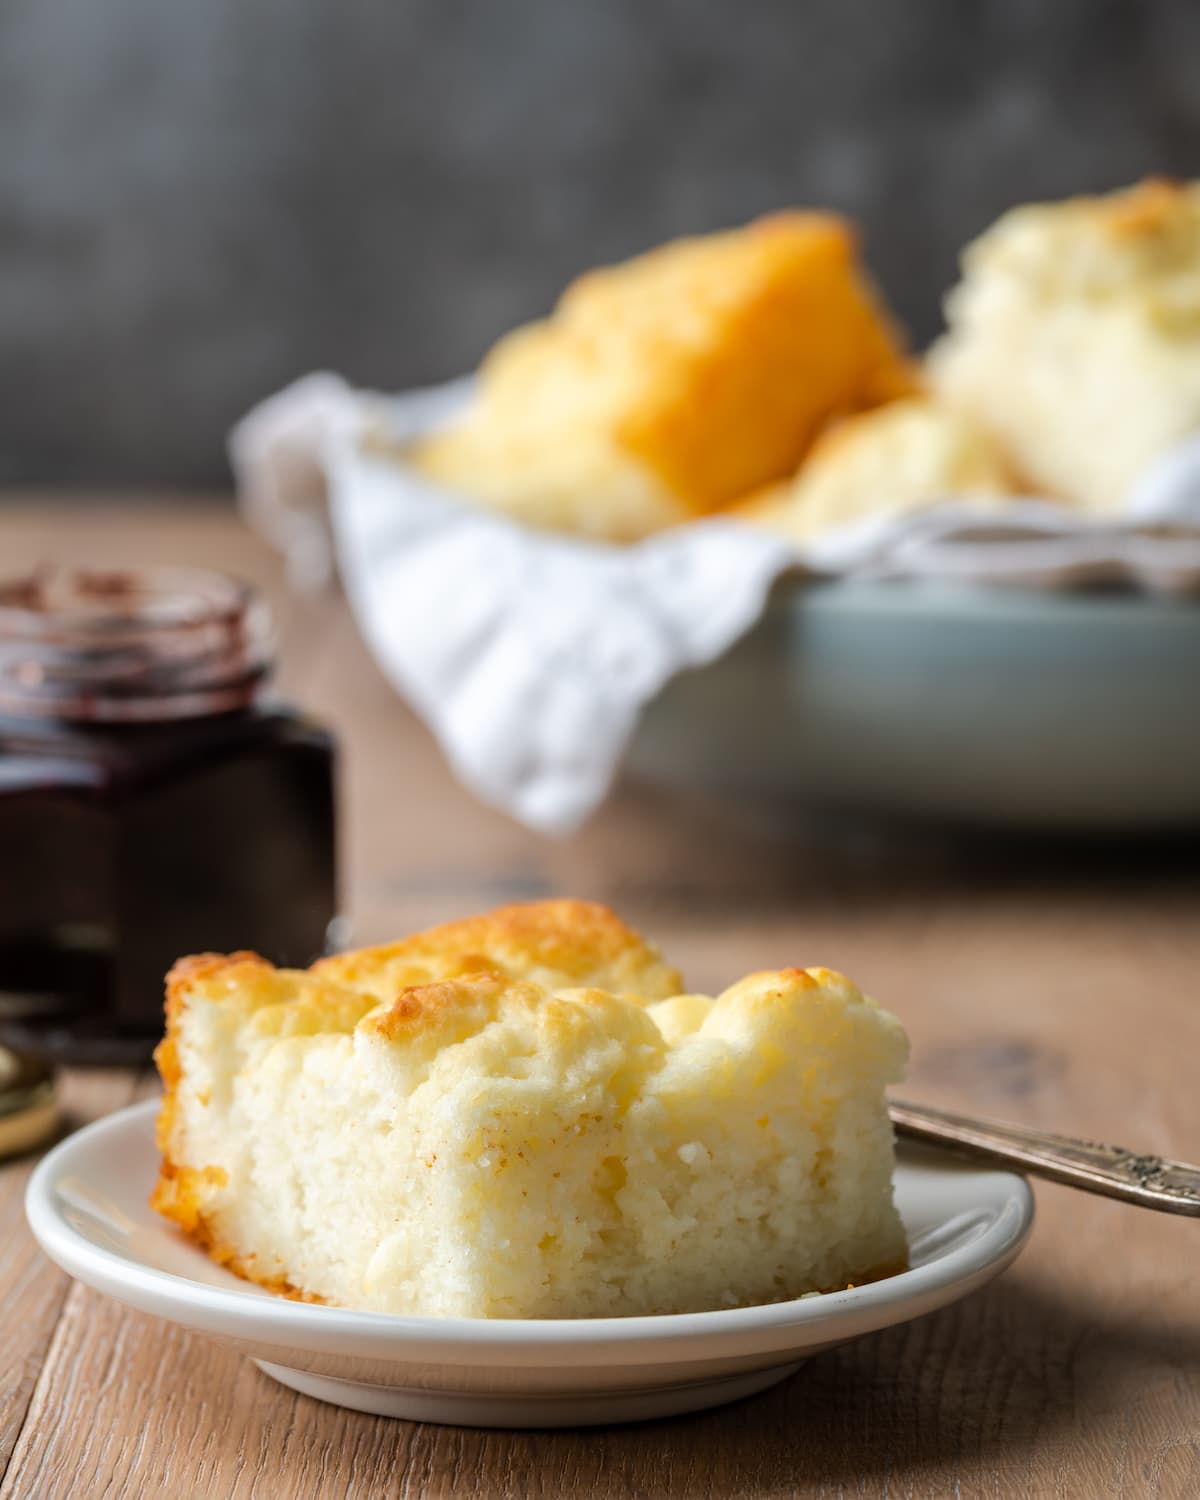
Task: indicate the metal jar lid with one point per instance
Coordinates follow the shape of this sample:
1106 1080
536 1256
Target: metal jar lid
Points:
28 1102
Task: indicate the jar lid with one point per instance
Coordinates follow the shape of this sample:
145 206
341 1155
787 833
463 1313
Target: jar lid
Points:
28 1104
136 645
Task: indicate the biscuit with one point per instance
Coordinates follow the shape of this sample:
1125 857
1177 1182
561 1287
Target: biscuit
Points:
667 387
488 1145
1074 337
894 459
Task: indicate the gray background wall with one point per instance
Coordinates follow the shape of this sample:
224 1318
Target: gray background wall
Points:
200 201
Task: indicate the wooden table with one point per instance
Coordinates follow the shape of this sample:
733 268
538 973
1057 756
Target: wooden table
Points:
1055 986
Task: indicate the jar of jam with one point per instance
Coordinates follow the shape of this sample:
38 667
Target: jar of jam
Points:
153 802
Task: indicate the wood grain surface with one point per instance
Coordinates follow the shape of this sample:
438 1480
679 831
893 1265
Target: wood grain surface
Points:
1060 986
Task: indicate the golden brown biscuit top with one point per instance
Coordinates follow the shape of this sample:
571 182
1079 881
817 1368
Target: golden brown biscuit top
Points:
289 1002
708 364
559 944
1146 210
442 979
734 325
1138 248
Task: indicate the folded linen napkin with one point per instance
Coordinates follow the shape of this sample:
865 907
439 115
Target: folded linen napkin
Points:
531 655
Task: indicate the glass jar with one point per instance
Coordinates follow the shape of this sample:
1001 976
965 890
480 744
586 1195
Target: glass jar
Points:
152 802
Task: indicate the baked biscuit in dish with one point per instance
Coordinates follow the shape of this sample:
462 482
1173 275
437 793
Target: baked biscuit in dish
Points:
488 1146
1074 336
664 388
884 462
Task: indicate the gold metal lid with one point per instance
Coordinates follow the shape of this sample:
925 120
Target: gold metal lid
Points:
28 1103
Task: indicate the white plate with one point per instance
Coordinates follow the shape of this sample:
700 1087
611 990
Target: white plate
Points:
87 1205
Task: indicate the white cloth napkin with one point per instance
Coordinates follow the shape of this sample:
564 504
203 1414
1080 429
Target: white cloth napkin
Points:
531 655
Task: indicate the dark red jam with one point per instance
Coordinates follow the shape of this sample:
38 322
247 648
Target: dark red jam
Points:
152 803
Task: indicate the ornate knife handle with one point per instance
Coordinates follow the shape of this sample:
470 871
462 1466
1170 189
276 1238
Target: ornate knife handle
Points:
1149 1181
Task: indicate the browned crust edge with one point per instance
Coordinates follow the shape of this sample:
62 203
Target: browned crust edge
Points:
178 1193
554 931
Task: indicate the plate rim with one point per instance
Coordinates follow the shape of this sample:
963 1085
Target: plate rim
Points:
249 1313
